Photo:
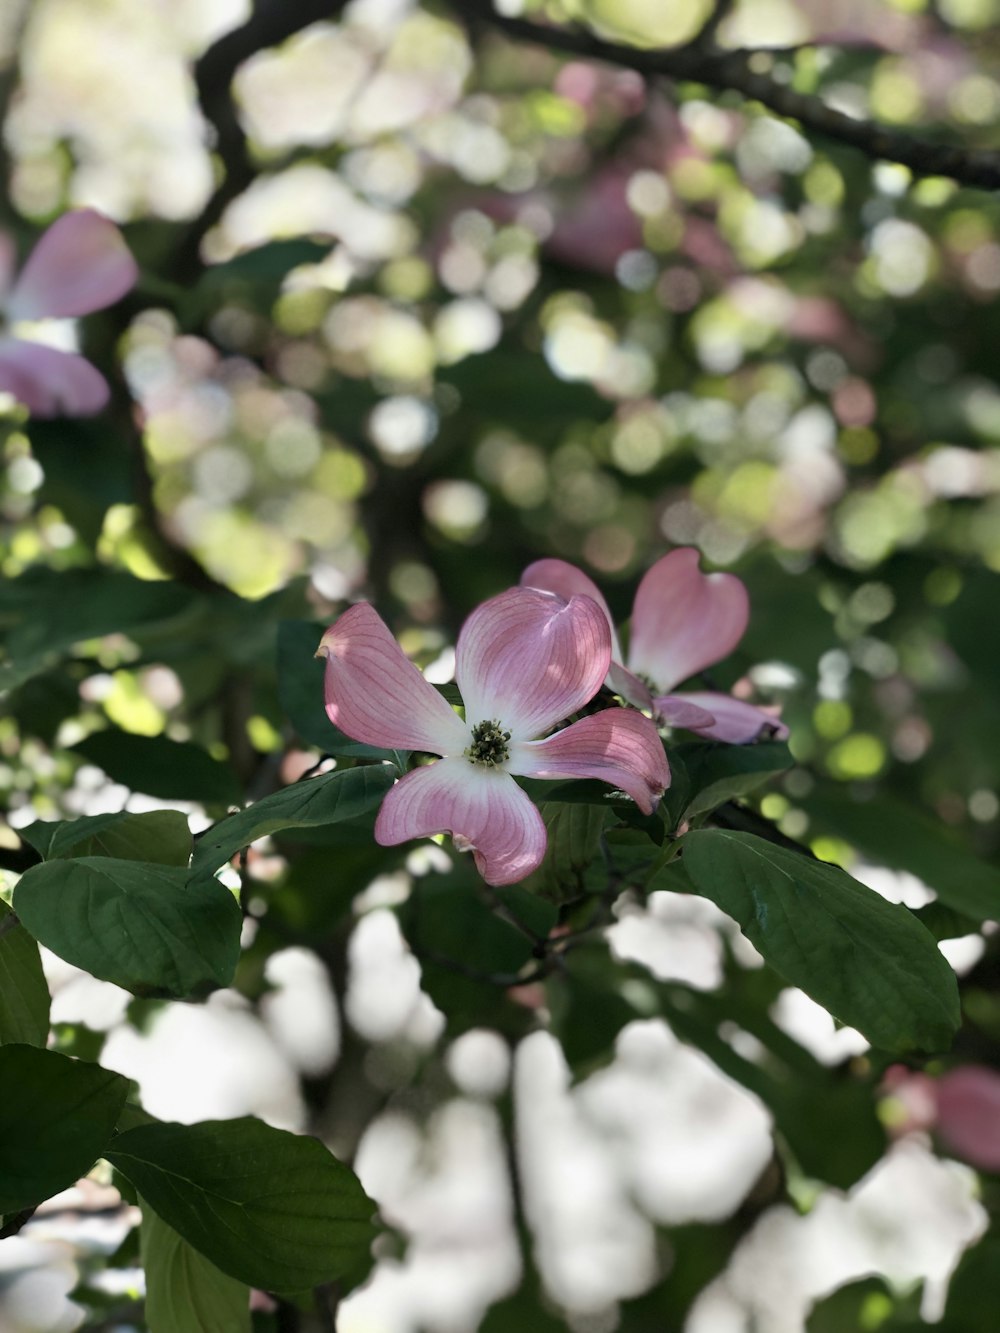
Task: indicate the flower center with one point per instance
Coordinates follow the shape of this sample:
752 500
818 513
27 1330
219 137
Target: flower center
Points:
489 744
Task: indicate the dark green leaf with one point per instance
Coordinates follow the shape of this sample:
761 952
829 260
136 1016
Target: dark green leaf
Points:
574 839
56 1117
170 770
329 799
300 692
901 836
161 836
24 995
54 610
719 773
469 954
868 961
591 1000
142 926
273 1209
185 1292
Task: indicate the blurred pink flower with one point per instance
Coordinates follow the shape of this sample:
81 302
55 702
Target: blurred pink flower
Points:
80 264
682 621
968 1114
962 1106
525 660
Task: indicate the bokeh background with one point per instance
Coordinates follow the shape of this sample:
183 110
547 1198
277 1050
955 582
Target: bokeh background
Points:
421 303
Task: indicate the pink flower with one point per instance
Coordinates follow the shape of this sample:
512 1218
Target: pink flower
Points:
80 264
682 621
968 1114
525 660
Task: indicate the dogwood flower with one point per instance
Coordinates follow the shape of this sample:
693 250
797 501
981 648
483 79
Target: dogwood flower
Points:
525 660
682 621
80 264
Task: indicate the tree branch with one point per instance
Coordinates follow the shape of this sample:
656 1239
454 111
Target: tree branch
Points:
732 71
270 23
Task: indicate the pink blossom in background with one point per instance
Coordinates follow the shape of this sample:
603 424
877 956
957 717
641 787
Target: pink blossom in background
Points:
525 661
968 1114
961 1106
682 621
80 264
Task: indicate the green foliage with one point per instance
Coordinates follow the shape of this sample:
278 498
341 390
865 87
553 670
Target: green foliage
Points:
330 799
161 836
185 1292
171 770
141 925
271 1209
898 835
56 1117
868 961
24 994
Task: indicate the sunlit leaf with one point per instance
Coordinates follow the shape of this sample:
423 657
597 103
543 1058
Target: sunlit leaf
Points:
185 1292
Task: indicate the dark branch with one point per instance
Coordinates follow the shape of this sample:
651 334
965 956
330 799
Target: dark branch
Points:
732 71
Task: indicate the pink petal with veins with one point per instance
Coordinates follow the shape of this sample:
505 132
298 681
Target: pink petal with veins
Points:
484 810
616 746
568 581
735 721
684 620
529 659
50 382
80 264
375 694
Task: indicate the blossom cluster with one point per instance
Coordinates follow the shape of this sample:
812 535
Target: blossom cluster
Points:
526 661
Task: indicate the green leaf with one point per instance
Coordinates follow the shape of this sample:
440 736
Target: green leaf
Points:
469 954
868 961
24 994
591 998
300 692
56 1117
719 773
272 1209
574 839
905 838
329 799
185 1292
141 926
161 836
157 766
55 609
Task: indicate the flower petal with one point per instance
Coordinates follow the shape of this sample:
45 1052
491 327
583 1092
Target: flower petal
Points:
684 620
617 746
568 581
80 264
529 658
677 710
50 382
375 694
734 721
483 809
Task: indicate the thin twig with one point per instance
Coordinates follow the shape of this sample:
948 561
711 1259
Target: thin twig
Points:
733 71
